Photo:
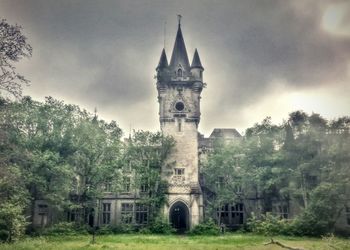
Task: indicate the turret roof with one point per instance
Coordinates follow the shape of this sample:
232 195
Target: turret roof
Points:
179 55
163 61
196 62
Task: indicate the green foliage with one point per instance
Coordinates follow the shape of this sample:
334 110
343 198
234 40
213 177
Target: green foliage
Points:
305 161
319 217
162 242
12 222
13 48
50 150
145 154
269 225
118 229
161 226
209 227
65 228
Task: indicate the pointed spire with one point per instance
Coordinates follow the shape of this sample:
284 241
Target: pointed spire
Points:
179 55
196 62
163 61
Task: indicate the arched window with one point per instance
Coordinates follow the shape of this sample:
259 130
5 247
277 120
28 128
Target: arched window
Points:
179 72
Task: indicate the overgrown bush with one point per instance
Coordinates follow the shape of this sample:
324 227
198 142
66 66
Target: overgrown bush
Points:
12 222
145 230
269 225
310 224
161 226
319 218
118 229
206 228
66 228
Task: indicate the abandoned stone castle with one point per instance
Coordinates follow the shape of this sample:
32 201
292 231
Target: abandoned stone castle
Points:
179 86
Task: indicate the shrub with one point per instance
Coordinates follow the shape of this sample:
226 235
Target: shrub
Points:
269 225
66 228
123 229
310 224
12 222
161 226
320 216
145 230
206 228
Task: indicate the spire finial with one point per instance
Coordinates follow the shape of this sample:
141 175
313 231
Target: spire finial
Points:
179 19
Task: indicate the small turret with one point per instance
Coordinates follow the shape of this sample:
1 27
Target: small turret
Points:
196 67
163 61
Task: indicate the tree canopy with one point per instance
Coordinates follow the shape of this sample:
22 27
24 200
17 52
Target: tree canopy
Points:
13 47
306 160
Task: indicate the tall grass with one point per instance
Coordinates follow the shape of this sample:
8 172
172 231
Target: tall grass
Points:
173 242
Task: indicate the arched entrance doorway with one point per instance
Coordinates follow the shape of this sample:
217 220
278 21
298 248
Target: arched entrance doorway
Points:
179 216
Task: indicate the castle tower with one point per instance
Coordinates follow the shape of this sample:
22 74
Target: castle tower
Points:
179 86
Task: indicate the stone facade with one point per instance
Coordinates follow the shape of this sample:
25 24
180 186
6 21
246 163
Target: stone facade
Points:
179 87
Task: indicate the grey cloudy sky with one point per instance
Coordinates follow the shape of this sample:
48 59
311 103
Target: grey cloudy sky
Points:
261 58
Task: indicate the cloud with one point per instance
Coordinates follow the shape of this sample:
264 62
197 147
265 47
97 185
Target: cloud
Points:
103 54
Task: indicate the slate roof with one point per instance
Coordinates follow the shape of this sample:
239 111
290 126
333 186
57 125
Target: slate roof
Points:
163 61
226 133
196 62
179 55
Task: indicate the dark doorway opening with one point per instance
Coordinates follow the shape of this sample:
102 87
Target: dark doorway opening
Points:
179 216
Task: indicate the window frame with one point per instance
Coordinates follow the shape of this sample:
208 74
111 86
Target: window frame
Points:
106 213
179 171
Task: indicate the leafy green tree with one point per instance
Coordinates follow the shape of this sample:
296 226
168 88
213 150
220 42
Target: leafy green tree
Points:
224 176
144 155
264 162
95 162
53 145
13 47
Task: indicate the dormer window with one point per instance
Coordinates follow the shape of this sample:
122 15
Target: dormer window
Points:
179 72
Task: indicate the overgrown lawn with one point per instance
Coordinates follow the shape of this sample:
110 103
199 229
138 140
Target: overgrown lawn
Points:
174 242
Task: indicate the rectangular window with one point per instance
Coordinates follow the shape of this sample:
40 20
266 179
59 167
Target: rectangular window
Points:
144 188
144 185
126 184
179 171
347 214
127 213
43 209
74 215
141 214
223 214
237 214
107 187
281 210
311 181
238 189
220 182
106 213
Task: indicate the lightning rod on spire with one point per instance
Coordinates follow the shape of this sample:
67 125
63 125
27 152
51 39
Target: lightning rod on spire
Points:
179 19
164 33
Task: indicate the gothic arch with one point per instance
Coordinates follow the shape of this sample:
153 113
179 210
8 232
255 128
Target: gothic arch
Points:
179 215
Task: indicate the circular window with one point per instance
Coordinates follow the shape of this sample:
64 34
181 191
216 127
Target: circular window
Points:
179 106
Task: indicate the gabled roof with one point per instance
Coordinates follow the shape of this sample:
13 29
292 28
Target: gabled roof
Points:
226 133
196 62
179 55
163 61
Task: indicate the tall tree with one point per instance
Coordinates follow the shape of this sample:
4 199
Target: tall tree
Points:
144 155
13 47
